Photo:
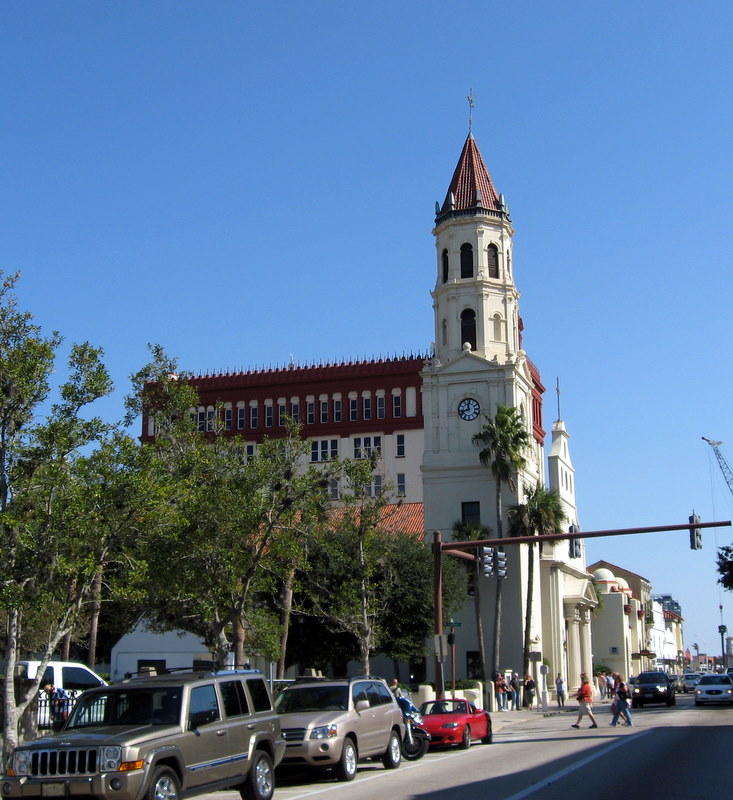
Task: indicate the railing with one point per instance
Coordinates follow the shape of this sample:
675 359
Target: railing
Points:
53 713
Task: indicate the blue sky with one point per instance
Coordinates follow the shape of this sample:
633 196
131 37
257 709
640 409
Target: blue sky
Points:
245 182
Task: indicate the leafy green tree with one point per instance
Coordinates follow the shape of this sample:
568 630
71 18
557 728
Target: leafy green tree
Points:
541 514
234 513
503 441
46 449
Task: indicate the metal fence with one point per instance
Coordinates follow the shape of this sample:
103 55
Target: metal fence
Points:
53 712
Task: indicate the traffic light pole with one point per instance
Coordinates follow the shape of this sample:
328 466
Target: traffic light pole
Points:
456 549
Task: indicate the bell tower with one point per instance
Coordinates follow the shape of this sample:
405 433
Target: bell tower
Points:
478 362
475 300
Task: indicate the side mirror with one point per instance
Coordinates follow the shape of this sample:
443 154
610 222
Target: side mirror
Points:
362 705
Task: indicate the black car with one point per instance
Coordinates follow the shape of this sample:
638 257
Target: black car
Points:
654 687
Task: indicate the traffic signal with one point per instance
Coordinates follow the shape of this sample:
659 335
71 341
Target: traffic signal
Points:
487 561
695 533
500 564
574 544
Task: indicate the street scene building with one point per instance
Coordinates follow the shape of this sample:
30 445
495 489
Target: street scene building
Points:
418 415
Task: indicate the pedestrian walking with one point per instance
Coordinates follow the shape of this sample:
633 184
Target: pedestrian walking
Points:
622 704
602 685
585 698
560 689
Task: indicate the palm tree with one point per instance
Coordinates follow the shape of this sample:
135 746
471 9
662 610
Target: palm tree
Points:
468 531
541 513
502 441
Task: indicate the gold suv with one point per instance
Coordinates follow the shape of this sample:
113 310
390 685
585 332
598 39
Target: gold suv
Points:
173 735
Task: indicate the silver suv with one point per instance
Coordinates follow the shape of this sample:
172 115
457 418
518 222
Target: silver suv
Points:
336 723
166 736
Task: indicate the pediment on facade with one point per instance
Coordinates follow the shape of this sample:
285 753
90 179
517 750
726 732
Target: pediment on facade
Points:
579 591
466 363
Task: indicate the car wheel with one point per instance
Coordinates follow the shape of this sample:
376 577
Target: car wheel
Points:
164 786
346 768
260 783
466 738
393 754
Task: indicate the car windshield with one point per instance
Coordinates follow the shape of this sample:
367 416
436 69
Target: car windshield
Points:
312 698
444 707
652 677
128 706
706 680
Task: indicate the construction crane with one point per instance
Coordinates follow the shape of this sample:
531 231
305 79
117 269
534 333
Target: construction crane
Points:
727 474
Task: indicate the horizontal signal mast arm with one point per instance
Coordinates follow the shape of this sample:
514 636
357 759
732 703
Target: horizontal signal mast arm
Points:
559 537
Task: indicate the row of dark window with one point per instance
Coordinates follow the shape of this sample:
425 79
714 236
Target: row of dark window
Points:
322 411
467 265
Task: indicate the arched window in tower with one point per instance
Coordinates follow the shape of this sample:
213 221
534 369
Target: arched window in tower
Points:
498 325
468 327
466 260
492 256
444 333
445 266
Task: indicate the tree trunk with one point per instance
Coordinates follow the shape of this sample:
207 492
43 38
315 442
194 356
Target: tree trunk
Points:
286 602
94 619
499 583
238 642
528 612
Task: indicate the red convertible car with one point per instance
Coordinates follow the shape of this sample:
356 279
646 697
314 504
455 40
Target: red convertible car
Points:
456 722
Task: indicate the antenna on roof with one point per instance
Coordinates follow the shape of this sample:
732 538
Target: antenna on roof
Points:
470 111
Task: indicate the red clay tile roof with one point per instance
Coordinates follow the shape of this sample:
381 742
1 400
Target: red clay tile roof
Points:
396 518
471 176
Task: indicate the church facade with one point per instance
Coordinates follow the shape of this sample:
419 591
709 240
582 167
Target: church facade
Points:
419 414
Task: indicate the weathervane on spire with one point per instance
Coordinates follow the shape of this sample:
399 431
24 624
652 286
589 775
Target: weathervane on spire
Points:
558 398
470 111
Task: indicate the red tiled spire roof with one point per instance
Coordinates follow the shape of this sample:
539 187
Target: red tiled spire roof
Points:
471 186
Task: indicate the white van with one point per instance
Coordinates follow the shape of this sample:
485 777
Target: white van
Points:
70 676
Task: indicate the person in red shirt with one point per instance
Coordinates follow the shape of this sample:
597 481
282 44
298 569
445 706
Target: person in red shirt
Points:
585 698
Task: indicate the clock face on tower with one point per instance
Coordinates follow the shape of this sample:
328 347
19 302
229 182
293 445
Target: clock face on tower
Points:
468 408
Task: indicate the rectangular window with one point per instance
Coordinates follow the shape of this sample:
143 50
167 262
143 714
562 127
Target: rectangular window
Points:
401 484
375 487
295 412
333 489
396 405
241 417
324 410
210 420
380 407
250 452
281 413
310 411
202 421
227 419
366 407
337 411
268 416
324 450
353 409
253 417
471 512
366 445
400 448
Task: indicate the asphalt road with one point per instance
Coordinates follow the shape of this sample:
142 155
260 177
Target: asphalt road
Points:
678 753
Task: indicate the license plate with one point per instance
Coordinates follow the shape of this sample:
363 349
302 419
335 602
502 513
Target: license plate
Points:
53 790
649 694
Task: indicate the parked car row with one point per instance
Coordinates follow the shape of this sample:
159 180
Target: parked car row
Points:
189 733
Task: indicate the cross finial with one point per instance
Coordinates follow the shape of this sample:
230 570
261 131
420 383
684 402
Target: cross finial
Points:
558 398
470 110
